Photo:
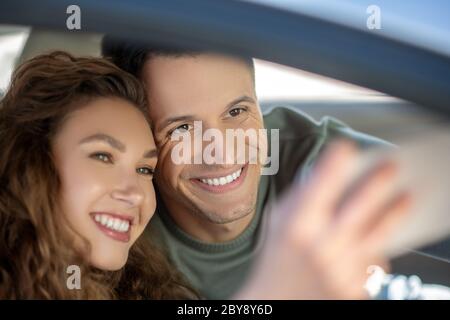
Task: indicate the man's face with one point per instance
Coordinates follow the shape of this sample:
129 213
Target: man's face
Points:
218 91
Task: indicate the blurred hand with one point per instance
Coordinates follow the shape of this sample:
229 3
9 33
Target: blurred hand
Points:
322 238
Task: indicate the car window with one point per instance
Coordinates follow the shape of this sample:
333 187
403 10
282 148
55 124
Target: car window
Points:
12 41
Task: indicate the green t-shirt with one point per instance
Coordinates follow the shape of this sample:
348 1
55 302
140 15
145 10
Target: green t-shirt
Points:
217 270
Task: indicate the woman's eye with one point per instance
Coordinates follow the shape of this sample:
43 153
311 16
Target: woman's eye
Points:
103 157
236 111
183 128
145 171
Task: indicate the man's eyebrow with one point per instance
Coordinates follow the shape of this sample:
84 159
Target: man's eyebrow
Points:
243 98
171 120
113 142
153 153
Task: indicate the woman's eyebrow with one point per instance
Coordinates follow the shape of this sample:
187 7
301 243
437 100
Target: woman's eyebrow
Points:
113 142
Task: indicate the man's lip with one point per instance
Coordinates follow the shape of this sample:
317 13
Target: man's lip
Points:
223 188
217 175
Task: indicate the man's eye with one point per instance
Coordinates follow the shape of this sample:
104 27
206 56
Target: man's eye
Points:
102 156
145 171
236 111
183 128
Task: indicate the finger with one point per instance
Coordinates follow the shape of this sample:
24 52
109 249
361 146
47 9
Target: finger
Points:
332 174
358 213
329 180
376 239
308 207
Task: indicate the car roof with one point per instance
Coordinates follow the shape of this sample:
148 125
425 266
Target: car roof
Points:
366 59
421 23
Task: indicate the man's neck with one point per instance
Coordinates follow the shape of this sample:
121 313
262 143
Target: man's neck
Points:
207 231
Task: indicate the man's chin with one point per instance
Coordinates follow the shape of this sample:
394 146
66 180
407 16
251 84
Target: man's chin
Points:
225 216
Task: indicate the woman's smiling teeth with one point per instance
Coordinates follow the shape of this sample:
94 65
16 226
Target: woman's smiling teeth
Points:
220 181
115 224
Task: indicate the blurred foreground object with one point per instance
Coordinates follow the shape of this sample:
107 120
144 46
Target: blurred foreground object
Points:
424 168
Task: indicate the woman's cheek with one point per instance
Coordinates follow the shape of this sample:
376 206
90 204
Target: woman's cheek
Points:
150 204
81 192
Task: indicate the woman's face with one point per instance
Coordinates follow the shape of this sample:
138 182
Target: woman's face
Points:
105 155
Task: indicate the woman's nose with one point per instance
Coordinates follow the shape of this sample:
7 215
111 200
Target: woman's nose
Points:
128 190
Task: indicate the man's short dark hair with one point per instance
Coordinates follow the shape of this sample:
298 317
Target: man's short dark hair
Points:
131 56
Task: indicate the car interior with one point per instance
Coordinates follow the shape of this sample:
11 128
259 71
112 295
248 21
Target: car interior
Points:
368 110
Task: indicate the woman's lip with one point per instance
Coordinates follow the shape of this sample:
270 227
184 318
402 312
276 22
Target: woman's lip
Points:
121 216
116 235
224 188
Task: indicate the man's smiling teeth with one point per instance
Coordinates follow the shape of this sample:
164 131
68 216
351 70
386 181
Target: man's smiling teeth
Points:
115 224
220 181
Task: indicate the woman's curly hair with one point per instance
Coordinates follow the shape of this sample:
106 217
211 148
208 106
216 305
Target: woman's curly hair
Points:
35 247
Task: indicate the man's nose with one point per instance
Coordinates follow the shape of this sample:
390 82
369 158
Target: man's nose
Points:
226 149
